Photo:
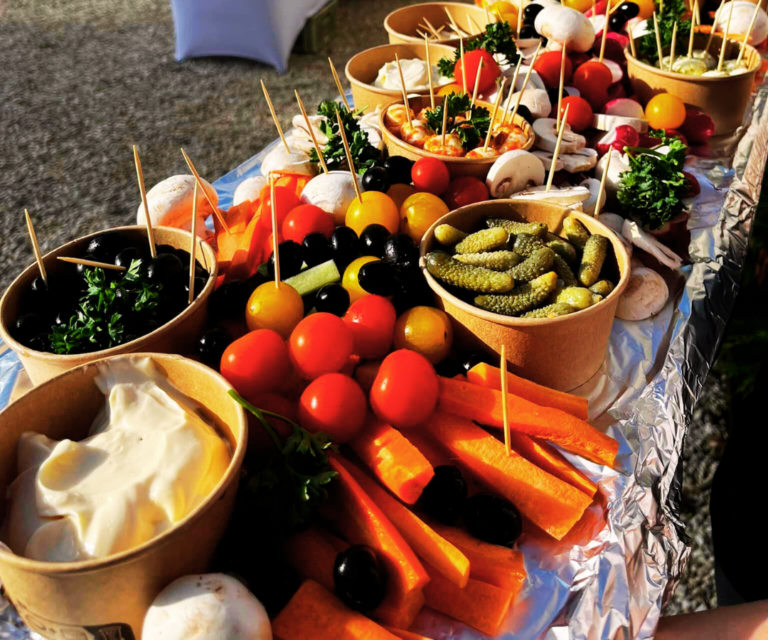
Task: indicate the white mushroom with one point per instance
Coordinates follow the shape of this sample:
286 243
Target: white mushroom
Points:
249 189
281 160
537 101
576 162
333 192
608 122
566 26
170 204
615 223
742 15
619 164
301 130
513 172
567 197
645 241
645 295
546 160
206 607
534 82
594 191
546 136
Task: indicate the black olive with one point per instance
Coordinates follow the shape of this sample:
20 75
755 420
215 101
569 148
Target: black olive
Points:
291 259
229 300
165 268
359 580
40 342
412 291
529 16
199 284
617 22
128 255
528 31
444 497
345 247
212 344
309 300
80 268
376 179
629 9
200 272
378 278
525 113
401 249
28 326
493 519
372 240
332 298
317 249
477 357
399 169
552 93
63 315
105 247
255 281
166 248
449 368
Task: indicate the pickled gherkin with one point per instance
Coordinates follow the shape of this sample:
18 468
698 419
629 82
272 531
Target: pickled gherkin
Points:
445 268
447 235
577 297
602 288
576 232
538 264
526 244
561 247
595 251
564 272
483 240
494 260
538 229
551 311
524 298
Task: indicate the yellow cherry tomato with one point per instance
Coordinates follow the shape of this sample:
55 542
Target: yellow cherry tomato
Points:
505 11
419 212
279 308
665 111
400 193
350 278
448 89
426 331
578 5
375 208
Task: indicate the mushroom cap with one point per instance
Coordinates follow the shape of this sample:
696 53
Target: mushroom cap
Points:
333 192
537 101
249 189
281 160
645 295
566 26
170 204
742 15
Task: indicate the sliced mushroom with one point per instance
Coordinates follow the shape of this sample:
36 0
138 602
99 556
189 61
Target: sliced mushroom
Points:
619 164
645 295
615 223
566 197
546 136
513 172
546 160
645 241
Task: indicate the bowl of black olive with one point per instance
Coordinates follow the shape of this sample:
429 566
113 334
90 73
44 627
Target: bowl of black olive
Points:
85 313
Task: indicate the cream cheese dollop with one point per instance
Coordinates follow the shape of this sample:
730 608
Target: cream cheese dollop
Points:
414 75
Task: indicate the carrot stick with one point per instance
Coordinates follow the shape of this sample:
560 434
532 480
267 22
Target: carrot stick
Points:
405 635
484 406
549 503
313 556
315 613
396 462
488 376
427 544
432 451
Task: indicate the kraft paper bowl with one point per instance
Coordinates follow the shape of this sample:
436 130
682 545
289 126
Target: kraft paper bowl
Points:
107 598
402 25
724 99
560 353
176 336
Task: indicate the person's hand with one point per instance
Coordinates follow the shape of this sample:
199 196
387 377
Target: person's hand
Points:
741 622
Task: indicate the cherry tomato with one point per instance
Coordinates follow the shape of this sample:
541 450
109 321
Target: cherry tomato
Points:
665 111
334 404
505 11
548 67
579 112
306 219
350 278
593 78
286 201
404 393
425 330
279 308
431 175
698 127
375 208
419 212
448 89
471 61
372 321
256 363
400 193
321 343
578 5
465 190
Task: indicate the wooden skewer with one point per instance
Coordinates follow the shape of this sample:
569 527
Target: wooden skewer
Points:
91 263
504 400
562 83
36 248
525 83
552 166
672 47
601 191
594 7
463 74
475 25
274 116
445 119
743 47
429 75
693 31
605 33
217 212
275 244
402 86
495 112
143 190
434 31
714 26
511 90
351 164
338 84
454 26
422 33
721 59
659 50
632 43
311 132
193 248
477 82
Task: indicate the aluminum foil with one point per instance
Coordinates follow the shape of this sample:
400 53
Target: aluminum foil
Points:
612 575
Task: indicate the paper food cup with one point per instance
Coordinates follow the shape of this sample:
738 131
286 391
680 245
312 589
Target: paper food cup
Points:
560 353
402 25
108 598
176 336
724 99
363 68
477 168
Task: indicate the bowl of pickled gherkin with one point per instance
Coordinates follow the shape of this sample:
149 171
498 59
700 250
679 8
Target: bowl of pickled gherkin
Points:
542 279
84 313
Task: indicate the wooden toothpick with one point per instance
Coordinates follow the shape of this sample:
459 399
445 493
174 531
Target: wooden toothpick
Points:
714 25
693 30
743 46
311 132
477 82
434 31
659 50
495 112
721 59
463 72
454 26
143 190
525 83
351 164
402 86
429 75
445 119
632 43
338 84
207 195
601 192
91 263
274 116
552 166
273 207
475 25
193 248
605 32
562 84
504 400
36 248
672 47
508 103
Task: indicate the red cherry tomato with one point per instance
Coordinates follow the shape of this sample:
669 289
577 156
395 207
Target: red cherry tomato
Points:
431 175
698 127
592 77
256 363
465 190
320 344
372 322
306 219
597 99
258 438
404 393
334 404
548 67
286 201
471 61
579 112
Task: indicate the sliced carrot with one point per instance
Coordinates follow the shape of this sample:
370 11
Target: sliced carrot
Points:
548 502
485 406
431 450
396 462
315 613
427 544
491 563
485 375
479 604
313 556
405 635
356 516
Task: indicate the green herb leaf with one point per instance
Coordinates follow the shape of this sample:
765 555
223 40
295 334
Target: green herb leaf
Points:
497 39
364 154
673 12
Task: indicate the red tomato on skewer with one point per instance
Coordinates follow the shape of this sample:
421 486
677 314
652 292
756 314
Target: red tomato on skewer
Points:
471 61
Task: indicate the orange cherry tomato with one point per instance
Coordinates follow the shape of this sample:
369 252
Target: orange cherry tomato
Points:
321 343
665 111
256 363
372 322
548 67
286 201
306 219
334 404
579 112
592 76
419 212
448 89
471 61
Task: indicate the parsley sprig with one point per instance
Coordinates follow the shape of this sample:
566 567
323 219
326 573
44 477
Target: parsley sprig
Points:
470 131
673 12
364 154
496 39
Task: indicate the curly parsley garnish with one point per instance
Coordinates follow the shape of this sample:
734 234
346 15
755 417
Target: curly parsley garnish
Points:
364 154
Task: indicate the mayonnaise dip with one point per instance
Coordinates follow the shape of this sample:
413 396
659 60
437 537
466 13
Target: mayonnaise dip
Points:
149 459
414 75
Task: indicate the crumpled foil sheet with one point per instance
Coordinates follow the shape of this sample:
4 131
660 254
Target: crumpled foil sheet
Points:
611 576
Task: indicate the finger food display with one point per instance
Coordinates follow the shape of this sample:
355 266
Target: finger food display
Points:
442 22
